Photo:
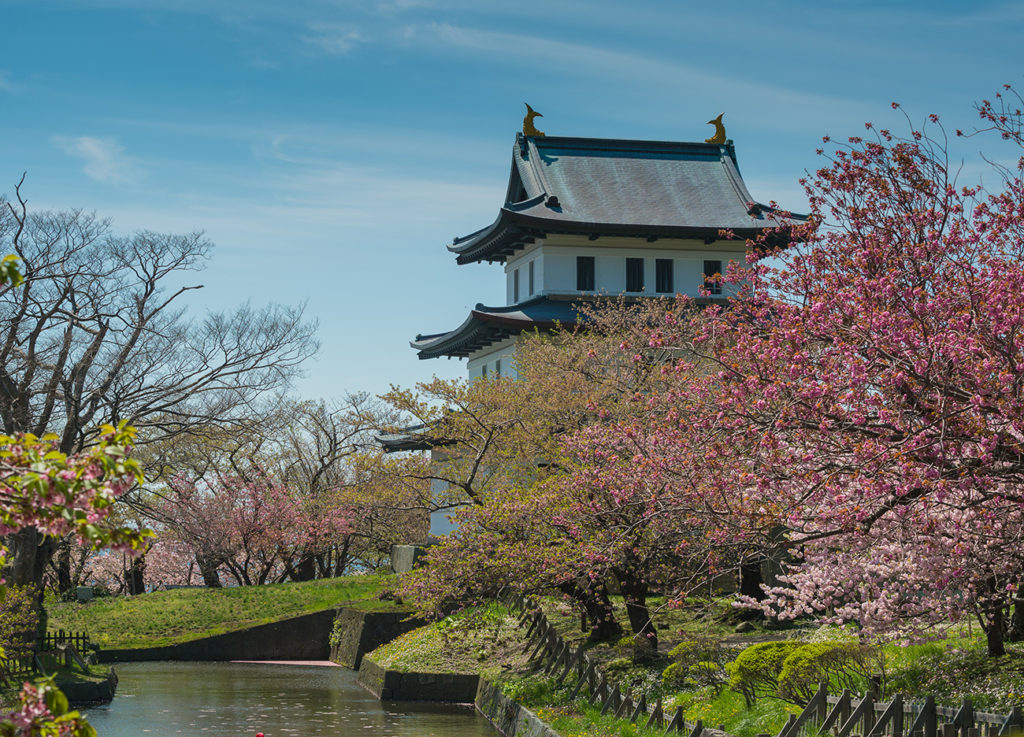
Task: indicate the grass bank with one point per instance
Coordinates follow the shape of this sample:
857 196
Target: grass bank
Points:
487 641
169 617
483 640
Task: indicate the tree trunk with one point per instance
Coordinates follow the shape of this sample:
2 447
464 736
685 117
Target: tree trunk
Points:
304 570
29 554
63 567
1016 631
341 557
135 576
598 607
993 619
994 633
751 577
634 592
208 570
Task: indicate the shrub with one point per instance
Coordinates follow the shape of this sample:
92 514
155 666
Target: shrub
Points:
755 671
619 665
707 673
841 664
674 677
637 647
19 621
690 652
703 674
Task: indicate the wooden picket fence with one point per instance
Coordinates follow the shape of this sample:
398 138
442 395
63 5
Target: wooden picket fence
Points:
53 640
562 659
14 668
845 715
64 646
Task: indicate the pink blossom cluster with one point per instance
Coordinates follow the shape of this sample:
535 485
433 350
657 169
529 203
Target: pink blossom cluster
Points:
42 709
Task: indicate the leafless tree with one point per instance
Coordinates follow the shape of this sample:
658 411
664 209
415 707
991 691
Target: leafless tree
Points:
97 333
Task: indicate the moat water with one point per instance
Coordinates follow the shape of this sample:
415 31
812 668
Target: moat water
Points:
168 699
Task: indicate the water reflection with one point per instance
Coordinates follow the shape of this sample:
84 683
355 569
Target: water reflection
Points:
239 700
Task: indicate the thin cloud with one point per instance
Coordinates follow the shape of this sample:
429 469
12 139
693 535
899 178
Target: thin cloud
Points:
105 159
5 81
333 38
548 54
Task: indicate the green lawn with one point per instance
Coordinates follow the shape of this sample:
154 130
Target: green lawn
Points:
167 617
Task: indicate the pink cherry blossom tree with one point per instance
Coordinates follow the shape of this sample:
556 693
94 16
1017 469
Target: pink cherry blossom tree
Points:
252 529
875 368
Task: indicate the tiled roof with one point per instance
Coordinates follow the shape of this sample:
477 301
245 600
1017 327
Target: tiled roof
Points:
594 186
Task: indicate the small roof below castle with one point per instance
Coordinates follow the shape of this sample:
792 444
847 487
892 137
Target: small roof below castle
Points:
488 325
596 186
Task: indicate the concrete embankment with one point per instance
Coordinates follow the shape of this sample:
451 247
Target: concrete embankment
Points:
358 632
90 692
299 638
508 717
394 685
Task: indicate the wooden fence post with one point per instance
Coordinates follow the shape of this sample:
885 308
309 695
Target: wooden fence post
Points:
677 723
624 708
573 660
964 718
657 717
788 726
641 708
611 701
1013 719
584 678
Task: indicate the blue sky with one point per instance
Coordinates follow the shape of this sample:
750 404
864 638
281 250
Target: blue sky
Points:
331 149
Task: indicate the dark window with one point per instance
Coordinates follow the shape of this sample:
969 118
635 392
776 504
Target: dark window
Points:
585 273
483 370
663 275
712 276
531 277
497 367
515 286
634 275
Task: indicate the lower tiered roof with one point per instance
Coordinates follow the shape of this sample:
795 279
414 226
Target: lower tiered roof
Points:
488 325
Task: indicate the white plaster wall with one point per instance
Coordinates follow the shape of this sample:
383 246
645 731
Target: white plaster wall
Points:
521 260
556 263
503 351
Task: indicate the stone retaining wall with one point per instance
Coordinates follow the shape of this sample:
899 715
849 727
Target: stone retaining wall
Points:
362 632
393 685
507 716
300 638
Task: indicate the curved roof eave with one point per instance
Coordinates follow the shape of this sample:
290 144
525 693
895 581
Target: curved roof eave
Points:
512 227
487 325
